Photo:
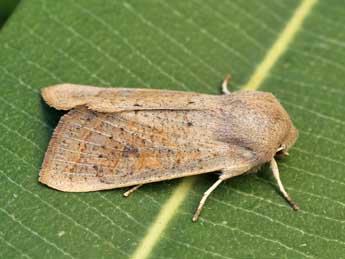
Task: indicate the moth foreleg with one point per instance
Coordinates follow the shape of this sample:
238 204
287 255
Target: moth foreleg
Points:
133 189
225 83
276 175
204 197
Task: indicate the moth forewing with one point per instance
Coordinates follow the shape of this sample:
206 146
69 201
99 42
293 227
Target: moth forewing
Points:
68 96
118 137
93 151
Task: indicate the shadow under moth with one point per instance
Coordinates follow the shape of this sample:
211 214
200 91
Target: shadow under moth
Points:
120 137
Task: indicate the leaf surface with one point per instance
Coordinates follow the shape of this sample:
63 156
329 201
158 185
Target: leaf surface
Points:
180 45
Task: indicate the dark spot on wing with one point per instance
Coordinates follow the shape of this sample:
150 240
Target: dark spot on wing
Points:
130 150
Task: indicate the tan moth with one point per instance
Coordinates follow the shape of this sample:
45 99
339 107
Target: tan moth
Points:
120 137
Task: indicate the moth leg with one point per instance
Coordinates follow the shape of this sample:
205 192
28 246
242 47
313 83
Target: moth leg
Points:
276 175
133 189
225 89
204 197
226 174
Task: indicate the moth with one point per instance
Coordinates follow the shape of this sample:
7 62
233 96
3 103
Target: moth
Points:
124 137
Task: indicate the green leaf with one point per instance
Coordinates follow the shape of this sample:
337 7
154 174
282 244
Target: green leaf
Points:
183 45
6 8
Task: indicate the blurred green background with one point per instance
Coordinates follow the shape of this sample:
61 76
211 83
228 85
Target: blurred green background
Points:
6 8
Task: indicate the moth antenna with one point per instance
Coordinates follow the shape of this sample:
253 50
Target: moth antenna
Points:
276 175
225 83
204 197
133 189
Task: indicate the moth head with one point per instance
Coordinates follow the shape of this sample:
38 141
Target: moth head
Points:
288 142
281 132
